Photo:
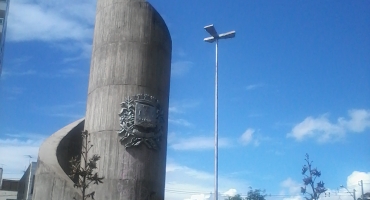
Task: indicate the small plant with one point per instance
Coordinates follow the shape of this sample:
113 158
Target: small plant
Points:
83 173
309 180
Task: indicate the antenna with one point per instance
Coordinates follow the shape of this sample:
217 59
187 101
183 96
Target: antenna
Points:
29 158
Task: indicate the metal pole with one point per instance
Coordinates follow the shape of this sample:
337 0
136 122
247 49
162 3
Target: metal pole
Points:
354 194
216 124
362 190
214 38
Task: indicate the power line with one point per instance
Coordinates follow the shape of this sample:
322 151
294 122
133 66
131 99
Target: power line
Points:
185 191
175 191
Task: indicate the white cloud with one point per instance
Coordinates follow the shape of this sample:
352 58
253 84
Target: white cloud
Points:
17 151
230 193
173 109
181 122
19 61
185 183
199 197
254 86
54 22
248 137
71 71
198 143
319 127
12 92
297 197
86 49
182 182
292 187
38 20
180 52
359 120
323 130
353 182
180 67
189 171
181 107
73 110
63 73
19 73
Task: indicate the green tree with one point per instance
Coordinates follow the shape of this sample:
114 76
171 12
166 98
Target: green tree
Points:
236 197
310 174
255 194
84 173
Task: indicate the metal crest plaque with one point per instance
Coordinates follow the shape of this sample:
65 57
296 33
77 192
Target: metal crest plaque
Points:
141 121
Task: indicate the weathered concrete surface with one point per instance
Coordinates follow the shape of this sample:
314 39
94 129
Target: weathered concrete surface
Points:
51 180
131 55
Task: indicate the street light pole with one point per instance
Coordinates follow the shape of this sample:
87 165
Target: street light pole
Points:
216 124
214 38
352 194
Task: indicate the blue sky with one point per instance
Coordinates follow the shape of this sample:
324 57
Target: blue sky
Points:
294 80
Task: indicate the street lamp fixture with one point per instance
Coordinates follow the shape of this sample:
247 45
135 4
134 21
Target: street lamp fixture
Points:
353 194
214 38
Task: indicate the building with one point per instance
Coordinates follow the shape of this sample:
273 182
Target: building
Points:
8 188
25 188
4 9
1 176
366 196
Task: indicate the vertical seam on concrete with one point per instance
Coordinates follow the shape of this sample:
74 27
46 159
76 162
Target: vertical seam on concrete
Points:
52 188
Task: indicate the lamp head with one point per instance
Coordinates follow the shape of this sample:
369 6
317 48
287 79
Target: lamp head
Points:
211 30
209 39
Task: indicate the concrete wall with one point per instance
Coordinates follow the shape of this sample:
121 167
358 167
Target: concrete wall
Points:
10 185
8 195
70 146
131 55
25 186
51 181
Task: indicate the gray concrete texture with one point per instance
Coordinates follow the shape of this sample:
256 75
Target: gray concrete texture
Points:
131 55
25 185
51 179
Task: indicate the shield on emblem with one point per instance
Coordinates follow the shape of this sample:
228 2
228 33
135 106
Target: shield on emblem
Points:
141 121
145 115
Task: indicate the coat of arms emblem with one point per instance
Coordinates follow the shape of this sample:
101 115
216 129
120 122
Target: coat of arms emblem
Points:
141 121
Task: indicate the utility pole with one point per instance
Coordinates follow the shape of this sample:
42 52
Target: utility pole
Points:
352 194
362 189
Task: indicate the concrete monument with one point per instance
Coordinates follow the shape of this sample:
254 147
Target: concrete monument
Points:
127 109
127 104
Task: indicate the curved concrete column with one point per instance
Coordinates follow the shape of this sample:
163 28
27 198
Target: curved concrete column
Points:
51 179
131 55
